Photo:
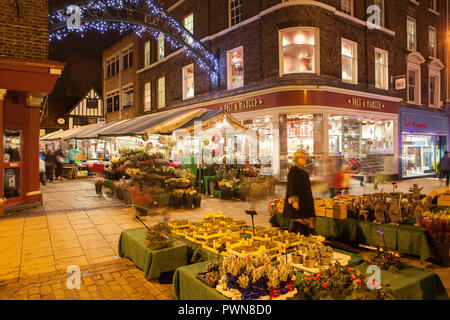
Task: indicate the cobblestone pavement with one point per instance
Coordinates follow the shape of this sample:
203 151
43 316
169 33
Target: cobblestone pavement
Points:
114 280
77 227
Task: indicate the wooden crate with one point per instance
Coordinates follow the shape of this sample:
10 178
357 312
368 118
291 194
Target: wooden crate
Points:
320 211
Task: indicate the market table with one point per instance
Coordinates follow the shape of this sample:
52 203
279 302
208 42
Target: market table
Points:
412 283
153 263
407 239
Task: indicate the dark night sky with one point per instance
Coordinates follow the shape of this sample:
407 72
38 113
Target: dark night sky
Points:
83 57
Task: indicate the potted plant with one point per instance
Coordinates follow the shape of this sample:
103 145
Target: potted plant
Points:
189 198
226 186
177 198
197 200
309 261
99 184
297 257
326 256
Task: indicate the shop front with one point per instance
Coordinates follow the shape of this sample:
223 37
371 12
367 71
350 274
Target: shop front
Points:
423 142
23 85
362 131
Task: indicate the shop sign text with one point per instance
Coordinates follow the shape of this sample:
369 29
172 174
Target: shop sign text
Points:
243 105
365 103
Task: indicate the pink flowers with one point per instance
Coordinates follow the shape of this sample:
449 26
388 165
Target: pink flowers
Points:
175 164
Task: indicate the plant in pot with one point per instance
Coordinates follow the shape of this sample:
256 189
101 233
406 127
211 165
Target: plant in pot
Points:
197 200
212 185
226 186
99 184
297 257
309 260
189 198
178 195
326 256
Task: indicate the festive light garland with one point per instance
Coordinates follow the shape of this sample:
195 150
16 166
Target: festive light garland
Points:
178 39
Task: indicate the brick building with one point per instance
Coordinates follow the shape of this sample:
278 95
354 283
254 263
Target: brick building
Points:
26 76
313 75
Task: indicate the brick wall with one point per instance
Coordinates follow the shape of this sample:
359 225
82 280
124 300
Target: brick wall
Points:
24 31
260 39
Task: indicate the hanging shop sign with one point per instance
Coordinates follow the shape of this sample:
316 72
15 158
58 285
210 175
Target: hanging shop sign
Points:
400 83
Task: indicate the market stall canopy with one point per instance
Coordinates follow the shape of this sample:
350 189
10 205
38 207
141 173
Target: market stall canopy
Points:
211 119
49 135
93 132
70 134
142 124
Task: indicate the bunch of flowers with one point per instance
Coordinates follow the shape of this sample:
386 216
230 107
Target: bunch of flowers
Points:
342 283
178 183
159 237
227 185
99 181
255 276
276 206
437 225
387 260
134 172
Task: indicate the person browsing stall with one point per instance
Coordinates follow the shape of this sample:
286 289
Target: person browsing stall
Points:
299 203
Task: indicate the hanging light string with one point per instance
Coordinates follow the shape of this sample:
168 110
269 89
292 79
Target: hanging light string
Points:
179 38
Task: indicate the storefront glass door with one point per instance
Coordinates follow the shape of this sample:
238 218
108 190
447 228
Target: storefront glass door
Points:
421 154
12 166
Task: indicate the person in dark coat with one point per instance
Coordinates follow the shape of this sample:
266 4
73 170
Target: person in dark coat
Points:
59 161
50 164
444 167
299 202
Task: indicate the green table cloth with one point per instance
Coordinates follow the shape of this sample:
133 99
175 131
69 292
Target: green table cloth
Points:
407 239
153 263
412 283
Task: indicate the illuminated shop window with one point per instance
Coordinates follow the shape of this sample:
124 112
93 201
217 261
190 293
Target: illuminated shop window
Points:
188 81
349 61
147 56
161 92
161 50
188 23
235 60
411 34
381 69
148 97
299 50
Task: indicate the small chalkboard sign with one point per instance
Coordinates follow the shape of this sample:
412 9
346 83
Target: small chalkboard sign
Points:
252 213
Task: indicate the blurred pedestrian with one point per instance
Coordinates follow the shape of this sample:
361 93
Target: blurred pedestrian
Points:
444 167
59 162
332 176
345 180
49 164
299 203
42 168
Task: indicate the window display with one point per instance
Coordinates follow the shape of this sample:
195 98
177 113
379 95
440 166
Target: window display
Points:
368 144
421 154
12 145
236 68
298 50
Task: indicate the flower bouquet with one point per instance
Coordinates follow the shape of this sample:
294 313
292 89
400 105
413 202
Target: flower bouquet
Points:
176 198
189 198
387 260
99 184
227 187
159 237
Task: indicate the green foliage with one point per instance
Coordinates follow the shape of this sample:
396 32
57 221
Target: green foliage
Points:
159 237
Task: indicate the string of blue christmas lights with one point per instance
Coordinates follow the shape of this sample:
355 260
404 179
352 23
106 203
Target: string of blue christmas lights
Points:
194 48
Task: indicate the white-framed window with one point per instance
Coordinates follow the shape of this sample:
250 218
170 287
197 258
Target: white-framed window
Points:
235 11
381 69
161 50
147 54
414 83
112 66
434 87
127 58
432 5
188 23
188 81
235 66
347 7
299 50
349 61
380 4
432 41
127 96
147 96
161 92
434 79
411 34
113 101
